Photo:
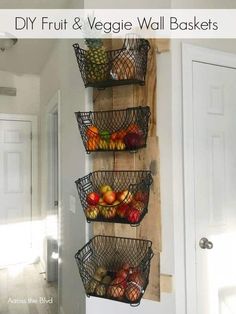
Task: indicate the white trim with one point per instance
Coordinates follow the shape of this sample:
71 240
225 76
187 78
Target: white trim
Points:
61 310
192 54
34 171
55 105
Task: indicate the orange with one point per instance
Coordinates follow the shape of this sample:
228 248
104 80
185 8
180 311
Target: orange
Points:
134 128
92 143
92 131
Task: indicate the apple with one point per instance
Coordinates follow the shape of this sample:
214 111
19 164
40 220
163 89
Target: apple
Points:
122 273
109 197
133 215
105 188
125 196
137 278
92 198
122 210
138 205
141 196
116 288
92 212
133 292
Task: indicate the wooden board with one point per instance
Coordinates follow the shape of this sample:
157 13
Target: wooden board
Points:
121 97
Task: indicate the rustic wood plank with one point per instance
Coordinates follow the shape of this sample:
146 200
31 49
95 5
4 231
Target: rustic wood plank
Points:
166 283
131 96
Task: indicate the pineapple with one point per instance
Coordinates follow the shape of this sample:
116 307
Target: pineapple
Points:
96 65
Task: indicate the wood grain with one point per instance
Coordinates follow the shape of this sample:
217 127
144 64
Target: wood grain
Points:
121 97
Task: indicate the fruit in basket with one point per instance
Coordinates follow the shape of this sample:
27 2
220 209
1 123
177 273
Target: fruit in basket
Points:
94 282
101 271
108 212
95 60
125 196
100 290
103 144
116 288
109 197
112 145
123 67
141 196
122 210
138 205
92 212
92 143
107 280
93 198
92 131
134 128
122 273
105 188
133 292
120 134
133 215
105 135
120 145
137 278
132 140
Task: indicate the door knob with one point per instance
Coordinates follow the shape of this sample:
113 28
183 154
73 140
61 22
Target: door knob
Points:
204 243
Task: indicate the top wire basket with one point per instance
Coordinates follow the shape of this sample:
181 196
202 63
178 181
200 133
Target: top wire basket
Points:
115 268
123 66
114 130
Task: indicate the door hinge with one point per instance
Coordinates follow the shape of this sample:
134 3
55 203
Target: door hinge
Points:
31 136
56 203
31 190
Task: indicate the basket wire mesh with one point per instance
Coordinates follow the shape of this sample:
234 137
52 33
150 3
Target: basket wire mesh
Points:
114 130
130 196
123 66
115 268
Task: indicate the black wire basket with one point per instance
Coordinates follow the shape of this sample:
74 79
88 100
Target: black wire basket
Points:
123 66
115 196
114 130
115 268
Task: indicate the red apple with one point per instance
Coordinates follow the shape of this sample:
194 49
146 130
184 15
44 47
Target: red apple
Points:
93 198
125 196
109 197
141 196
116 288
133 292
122 210
122 273
133 216
105 188
138 205
137 278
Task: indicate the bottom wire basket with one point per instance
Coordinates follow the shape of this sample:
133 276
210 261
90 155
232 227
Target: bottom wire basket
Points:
115 268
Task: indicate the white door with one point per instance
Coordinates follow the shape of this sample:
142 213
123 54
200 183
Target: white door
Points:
15 191
214 164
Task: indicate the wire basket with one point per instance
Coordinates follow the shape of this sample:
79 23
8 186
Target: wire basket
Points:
115 196
114 130
123 66
115 268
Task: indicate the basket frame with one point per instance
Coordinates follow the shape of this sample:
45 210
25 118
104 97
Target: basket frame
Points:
140 50
144 263
145 182
138 115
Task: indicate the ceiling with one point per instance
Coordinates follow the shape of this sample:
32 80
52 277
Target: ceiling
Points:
28 55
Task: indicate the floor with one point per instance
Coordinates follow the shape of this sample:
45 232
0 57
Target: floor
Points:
23 290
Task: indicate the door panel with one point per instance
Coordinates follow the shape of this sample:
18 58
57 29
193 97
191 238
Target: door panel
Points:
15 190
214 125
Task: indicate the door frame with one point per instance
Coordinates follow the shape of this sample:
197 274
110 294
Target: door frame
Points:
34 155
190 54
54 105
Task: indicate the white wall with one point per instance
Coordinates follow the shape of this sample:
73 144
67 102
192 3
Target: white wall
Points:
27 100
